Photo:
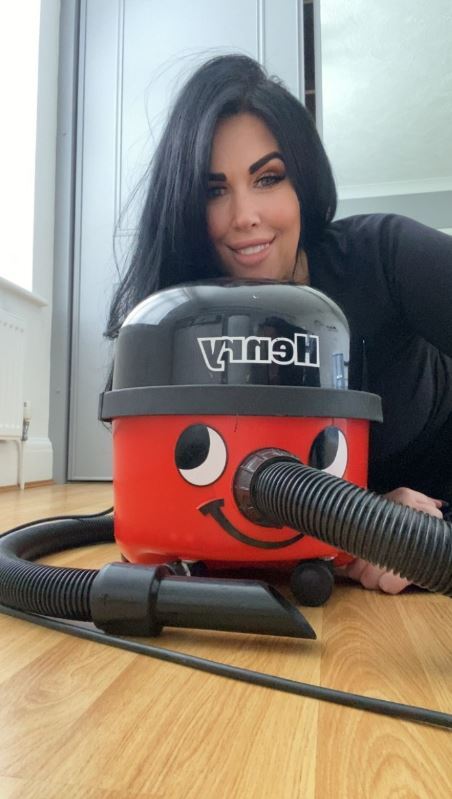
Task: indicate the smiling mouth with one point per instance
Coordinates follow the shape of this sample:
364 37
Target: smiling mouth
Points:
213 509
252 254
252 249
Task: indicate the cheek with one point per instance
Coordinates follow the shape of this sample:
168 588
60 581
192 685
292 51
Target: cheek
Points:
285 212
293 214
296 226
216 222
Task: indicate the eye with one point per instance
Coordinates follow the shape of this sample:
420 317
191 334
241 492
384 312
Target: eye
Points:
269 180
215 191
329 452
200 455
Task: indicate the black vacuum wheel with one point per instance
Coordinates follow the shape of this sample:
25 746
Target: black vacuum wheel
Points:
312 582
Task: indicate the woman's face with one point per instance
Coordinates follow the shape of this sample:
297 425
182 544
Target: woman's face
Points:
253 214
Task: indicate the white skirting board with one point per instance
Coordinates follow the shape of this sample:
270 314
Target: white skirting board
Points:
38 461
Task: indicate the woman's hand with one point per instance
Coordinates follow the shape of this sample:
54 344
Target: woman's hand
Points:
416 500
374 577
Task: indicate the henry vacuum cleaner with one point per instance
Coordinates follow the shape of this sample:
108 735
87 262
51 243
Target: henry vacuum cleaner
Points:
237 443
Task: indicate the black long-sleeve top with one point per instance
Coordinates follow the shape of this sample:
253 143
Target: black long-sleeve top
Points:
392 277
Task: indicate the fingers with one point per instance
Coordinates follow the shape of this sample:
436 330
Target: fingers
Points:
431 509
376 578
392 583
373 577
416 500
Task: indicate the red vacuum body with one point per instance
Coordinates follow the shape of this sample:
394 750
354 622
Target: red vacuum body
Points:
205 375
161 514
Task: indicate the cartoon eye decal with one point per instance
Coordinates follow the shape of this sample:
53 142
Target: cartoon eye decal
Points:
329 452
200 455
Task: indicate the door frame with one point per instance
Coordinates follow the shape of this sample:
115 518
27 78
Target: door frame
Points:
66 145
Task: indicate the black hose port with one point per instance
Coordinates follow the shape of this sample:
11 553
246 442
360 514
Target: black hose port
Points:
243 479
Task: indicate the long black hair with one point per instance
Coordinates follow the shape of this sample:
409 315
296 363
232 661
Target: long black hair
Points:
172 244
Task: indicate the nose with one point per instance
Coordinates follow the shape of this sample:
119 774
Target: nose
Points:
245 211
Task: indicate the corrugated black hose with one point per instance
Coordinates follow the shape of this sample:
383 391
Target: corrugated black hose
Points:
416 545
50 590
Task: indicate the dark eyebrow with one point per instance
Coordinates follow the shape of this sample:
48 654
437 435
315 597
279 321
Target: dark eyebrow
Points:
262 161
221 177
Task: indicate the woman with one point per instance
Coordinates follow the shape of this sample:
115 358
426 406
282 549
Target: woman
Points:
241 185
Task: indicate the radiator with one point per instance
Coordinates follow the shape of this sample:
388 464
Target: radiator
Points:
12 359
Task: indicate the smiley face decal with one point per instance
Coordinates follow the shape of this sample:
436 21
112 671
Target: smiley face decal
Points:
201 457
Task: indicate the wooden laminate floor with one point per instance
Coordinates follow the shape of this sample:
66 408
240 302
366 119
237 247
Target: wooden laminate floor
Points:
80 720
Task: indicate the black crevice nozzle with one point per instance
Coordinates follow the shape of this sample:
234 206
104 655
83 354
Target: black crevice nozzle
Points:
135 599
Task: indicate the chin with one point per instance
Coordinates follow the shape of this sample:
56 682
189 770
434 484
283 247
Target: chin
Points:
269 274
258 273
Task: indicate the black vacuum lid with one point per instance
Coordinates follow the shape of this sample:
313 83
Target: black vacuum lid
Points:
242 336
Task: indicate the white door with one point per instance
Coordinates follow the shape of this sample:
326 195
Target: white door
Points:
134 54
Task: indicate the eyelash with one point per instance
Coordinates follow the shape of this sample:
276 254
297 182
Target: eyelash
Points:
270 180
214 191
274 179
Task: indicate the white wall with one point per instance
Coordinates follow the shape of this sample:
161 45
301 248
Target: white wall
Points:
36 308
386 91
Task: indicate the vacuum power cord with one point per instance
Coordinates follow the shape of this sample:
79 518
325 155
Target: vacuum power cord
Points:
356 701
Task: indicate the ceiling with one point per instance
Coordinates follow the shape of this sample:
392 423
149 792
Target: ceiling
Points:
387 94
